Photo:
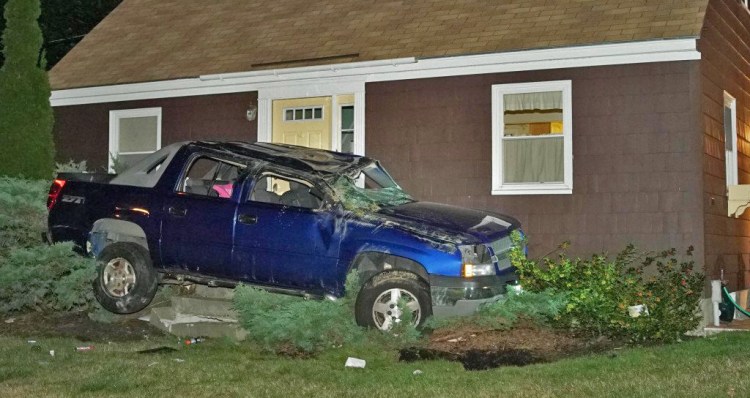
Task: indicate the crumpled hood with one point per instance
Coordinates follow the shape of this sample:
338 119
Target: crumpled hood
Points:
449 223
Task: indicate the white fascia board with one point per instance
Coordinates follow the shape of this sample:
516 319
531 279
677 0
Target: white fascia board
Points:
390 70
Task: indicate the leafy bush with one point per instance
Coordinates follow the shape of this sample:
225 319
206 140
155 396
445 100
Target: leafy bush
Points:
599 291
23 212
669 289
45 278
287 323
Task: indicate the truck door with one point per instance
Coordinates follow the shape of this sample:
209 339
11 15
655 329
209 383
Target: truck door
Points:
198 223
285 236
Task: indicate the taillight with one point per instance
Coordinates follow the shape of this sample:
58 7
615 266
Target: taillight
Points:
54 190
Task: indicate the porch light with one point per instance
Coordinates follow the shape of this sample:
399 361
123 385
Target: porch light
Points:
252 113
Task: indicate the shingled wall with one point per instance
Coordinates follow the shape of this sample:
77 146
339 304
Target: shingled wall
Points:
636 144
82 131
725 66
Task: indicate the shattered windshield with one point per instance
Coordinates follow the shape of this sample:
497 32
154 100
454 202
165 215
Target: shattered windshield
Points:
379 190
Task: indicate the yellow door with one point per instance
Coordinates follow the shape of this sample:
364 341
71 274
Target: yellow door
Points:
303 121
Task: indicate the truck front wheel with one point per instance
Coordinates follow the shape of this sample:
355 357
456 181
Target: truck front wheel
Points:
382 300
126 281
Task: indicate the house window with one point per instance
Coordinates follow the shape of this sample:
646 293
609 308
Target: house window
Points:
133 134
347 129
532 144
300 114
730 138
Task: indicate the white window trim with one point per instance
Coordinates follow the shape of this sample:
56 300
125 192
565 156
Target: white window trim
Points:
498 126
730 159
327 88
114 130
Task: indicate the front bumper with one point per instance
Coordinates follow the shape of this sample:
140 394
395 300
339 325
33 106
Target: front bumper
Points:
456 296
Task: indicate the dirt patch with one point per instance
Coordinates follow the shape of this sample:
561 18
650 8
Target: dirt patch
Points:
524 344
77 326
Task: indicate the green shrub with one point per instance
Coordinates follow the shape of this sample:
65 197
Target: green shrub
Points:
670 289
46 278
503 314
599 291
71 167
538 307
26 117
23 212
287 323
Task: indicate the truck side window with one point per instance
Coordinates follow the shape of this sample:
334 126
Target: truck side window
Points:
285 191
210 177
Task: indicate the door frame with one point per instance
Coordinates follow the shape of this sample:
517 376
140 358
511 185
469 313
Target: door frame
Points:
318 88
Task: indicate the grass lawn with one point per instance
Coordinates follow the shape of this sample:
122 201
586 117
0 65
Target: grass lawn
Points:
712 367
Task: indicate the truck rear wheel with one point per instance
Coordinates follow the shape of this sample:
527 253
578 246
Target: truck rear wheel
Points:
378 301
126 281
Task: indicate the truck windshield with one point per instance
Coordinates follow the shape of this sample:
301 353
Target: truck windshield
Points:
380 190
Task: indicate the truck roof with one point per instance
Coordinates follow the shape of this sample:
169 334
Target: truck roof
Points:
293 156
325 164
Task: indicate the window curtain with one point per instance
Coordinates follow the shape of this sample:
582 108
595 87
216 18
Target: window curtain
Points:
533 101
533 160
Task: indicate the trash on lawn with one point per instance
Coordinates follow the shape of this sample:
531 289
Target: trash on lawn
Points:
355 363
31 341
10 320
195 340
178 360
52 353
158 350
417 372
84 348
637 310
152 364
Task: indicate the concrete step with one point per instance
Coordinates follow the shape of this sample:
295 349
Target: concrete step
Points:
190 325
213 292
201 306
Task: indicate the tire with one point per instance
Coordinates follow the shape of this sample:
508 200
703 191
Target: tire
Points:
126 281
378 297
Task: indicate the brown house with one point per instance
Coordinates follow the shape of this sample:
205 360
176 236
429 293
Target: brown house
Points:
598 122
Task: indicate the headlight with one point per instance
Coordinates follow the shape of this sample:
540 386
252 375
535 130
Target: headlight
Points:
476 261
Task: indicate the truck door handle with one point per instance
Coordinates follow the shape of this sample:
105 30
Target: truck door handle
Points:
247 219
177 211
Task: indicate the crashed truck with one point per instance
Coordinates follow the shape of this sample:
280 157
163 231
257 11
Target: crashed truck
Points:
284 218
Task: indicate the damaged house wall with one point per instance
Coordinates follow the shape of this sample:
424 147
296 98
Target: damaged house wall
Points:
82 131
636 145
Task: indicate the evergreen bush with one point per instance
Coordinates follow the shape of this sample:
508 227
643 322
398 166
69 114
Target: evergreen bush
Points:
286 323
23 213
26 117
46 278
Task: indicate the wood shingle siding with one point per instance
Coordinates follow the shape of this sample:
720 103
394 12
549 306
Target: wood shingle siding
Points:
725 66
636 146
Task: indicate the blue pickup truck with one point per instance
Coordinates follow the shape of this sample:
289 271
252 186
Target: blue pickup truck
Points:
284 218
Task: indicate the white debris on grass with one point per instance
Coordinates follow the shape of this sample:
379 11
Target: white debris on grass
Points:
355 363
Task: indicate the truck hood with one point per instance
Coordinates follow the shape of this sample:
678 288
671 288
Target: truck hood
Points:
448 223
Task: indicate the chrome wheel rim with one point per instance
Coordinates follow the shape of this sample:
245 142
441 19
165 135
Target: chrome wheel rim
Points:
118 277
386 311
